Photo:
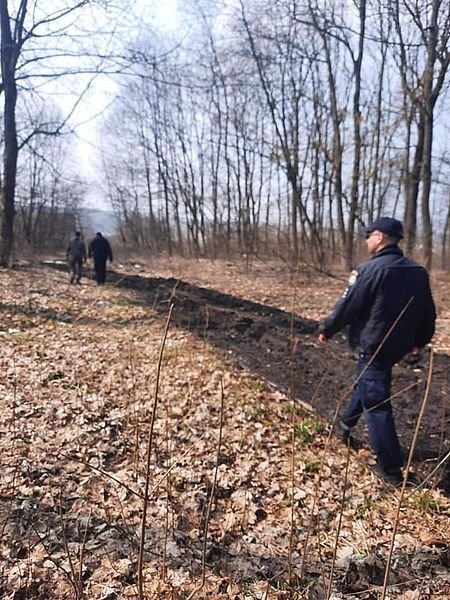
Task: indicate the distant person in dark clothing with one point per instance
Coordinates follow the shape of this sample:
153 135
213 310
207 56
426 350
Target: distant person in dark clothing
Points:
100 251
76 255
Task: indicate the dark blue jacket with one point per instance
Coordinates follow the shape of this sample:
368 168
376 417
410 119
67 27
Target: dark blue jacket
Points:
377 293
100 249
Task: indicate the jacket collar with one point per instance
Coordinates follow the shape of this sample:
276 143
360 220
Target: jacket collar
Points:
392 249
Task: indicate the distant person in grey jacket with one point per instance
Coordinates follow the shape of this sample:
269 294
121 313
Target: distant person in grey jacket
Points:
100 251
76 255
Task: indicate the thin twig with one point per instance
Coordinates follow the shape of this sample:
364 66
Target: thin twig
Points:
293 349
175 464
124 485
292 513
338 532
318 387
166 519
373 357
147 469
82 549
435 470
405 476
444 402
213 489
211 497
333 423
102 472
135 407
73 578
399 392
49 556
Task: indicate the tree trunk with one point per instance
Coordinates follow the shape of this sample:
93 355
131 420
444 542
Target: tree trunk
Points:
11 151
426 189
428 109
354 201
412 191
445 235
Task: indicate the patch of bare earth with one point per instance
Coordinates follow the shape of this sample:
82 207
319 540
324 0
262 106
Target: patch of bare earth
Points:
249 501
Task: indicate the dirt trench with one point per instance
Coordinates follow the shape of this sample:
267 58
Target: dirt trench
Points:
282 349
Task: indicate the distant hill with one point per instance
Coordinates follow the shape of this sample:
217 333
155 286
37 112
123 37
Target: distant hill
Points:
98 220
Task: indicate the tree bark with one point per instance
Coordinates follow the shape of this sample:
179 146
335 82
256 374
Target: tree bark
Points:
9 53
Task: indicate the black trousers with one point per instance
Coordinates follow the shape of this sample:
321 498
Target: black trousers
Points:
76 269
371 398
100 271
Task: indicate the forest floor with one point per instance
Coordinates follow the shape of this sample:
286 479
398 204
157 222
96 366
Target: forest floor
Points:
249 494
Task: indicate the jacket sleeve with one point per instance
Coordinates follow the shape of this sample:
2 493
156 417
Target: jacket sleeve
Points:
353 303
426 324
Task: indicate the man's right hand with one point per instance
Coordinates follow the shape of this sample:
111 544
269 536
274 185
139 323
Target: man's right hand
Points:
322 338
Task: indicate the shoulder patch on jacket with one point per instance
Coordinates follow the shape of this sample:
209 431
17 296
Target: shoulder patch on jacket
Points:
351 281
353 277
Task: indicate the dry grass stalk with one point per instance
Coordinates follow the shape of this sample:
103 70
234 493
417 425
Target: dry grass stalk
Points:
168 490
101 472
147 468
57 564
444 402
174 465
405 476
340 400
82 549
74 575
338 532
14 405
213 489
293 347
293 454
74 580
133 394
440 464
212 494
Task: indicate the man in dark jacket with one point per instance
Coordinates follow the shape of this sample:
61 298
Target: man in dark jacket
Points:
389 308
100 251
76 255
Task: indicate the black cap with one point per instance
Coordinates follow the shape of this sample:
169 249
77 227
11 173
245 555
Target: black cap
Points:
387 225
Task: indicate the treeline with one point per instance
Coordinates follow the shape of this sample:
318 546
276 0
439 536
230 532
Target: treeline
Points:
288 125
48 195
50 55
278 126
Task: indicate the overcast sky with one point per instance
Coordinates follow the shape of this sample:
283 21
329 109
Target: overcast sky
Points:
162 15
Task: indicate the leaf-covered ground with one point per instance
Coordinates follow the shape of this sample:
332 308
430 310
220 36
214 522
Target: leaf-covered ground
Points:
250 501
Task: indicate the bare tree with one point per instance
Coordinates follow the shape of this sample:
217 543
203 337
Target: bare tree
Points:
36 47
230 131
423 59
48 192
